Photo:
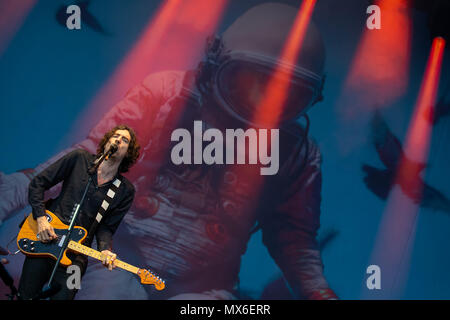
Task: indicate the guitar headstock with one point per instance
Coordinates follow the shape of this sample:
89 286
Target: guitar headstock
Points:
148 277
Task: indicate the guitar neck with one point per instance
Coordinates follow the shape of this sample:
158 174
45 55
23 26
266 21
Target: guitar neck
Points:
77 247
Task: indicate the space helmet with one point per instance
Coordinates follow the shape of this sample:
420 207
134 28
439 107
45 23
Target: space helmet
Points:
239 64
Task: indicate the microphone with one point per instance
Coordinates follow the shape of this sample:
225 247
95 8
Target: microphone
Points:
105 156
112 149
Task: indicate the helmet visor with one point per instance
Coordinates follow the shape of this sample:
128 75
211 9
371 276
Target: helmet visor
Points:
243 85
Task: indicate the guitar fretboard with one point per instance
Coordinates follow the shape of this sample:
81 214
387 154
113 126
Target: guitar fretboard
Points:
75 246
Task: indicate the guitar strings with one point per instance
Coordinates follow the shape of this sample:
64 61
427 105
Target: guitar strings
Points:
59 237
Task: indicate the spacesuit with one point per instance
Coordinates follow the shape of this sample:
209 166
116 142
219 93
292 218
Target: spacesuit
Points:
192 223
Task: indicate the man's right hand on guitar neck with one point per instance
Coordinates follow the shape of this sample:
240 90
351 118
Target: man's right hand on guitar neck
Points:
45 230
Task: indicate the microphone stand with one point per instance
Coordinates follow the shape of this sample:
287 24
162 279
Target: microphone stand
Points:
48 289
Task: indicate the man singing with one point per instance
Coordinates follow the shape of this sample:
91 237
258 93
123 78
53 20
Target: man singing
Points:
108 190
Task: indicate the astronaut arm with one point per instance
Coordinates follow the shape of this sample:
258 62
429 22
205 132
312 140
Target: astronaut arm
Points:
290 233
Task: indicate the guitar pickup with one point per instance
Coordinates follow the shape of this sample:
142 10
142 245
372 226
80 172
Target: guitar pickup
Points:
61 242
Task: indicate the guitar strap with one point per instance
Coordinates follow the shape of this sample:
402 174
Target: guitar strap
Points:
113 190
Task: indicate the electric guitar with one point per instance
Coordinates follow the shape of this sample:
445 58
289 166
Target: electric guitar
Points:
28 242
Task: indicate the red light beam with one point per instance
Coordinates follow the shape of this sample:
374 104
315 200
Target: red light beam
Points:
173 40
397 230
380 70
12 16
271 105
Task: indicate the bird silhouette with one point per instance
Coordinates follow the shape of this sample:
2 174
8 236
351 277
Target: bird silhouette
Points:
381 180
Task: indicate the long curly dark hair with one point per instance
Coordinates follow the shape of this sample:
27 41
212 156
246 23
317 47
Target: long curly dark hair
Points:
133 148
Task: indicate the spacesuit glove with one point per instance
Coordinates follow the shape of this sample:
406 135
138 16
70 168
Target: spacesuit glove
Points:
13 193
323 294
